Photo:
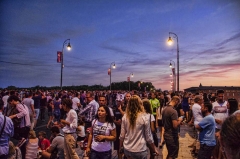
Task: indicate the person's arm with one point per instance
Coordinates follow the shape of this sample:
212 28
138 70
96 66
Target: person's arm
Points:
111 137
32 107
122 133
176 123
22 112
198 127
86 109
90 138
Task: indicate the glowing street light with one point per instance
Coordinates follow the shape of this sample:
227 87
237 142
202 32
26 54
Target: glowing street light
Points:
170 41
69 48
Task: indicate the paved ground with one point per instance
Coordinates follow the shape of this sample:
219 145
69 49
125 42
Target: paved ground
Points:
186 138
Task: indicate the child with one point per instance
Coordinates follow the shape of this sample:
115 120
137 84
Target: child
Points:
80 131
44 143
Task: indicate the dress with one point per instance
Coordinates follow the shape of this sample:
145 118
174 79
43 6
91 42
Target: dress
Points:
32 149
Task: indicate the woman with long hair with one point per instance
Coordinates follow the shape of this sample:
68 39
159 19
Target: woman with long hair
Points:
102 133
135 131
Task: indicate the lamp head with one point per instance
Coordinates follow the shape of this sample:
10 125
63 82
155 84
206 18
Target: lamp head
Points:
114 66
69 46
170 65
171 74
170 41
132 75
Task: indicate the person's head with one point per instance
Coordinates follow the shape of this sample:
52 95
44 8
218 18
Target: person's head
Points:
42 135
198 99
102 101
147 106
1 105
153 95
230 137
175 101
67 104
104 113
32 134
220 95
13 100
206 108
127 96
55 130
232 105
134 107
89 97
77 94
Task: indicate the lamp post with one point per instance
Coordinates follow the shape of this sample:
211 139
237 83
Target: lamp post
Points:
130 75
174 74
69 48
170 42
110 73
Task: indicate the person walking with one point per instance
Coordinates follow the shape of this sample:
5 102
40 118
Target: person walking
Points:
102 133
69 128
135 131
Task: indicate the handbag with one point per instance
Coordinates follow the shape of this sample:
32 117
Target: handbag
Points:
154 135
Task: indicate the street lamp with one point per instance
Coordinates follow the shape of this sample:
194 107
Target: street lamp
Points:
110 73
69 48
130 75
174 74
170 41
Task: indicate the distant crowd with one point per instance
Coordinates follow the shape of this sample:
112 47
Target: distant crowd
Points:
94 120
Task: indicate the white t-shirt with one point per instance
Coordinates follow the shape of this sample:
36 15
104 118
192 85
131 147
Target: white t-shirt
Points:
102 129
197 114
5 98
82 132
220 112
75 101
111 111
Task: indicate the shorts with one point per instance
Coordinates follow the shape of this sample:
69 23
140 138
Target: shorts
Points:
37 112
136 155
160 123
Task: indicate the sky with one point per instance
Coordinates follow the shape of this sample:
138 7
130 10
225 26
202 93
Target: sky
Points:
131 33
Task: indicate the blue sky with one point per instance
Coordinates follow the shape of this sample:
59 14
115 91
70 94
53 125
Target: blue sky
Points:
132 34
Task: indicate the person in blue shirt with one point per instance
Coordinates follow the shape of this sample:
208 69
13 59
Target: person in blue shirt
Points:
207 132
6 131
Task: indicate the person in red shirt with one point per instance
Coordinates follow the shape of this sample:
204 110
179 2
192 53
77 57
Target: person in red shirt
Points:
44 143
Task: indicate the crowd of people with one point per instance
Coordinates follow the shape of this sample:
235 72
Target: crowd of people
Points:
96 120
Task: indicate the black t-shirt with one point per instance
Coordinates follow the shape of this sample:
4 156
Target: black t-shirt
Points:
177 108
168 115
37 100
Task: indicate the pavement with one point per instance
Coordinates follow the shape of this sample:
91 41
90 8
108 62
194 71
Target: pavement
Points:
186 138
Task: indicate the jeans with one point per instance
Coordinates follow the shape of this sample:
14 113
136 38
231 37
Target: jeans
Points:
136 155
101 155
172 144
205 151
37 112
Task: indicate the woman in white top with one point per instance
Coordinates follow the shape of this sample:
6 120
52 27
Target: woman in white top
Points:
148 110
135 131
102 133
32 146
